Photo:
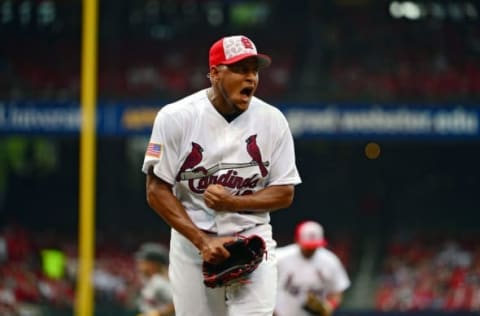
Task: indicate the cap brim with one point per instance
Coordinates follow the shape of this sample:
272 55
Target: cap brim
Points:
263 60
312 244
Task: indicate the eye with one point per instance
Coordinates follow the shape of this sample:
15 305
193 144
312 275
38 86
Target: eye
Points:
243 68
236 68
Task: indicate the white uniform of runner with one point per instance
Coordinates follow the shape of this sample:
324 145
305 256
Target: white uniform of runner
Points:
321 274
192 146
155 294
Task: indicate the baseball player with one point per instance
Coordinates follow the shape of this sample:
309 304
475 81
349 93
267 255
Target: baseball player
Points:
218 162
311 278
156 295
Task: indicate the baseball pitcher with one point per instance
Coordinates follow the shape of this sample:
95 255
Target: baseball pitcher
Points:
218 162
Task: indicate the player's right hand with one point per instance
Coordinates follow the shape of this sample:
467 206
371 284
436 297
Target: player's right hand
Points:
213 250
218 198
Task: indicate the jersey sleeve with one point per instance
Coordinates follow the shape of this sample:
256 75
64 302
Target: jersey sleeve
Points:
339 281
282 253
163 148
283 169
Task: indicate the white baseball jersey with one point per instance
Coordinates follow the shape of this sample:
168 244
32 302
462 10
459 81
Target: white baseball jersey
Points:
192 146
321 274
155 294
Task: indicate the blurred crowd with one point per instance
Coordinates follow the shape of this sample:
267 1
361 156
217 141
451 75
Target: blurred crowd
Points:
320 59
25 281
425 272
148 71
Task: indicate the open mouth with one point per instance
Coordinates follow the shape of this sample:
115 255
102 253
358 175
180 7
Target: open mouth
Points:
246 92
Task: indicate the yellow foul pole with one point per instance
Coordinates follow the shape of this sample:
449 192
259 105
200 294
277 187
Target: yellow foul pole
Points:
85 296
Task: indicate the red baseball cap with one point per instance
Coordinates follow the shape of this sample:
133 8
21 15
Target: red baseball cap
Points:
231 49
309 235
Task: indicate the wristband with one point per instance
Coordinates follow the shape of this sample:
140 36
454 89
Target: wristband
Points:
333 303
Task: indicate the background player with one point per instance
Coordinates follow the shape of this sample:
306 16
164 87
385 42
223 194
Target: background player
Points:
311 278
156 295
217 163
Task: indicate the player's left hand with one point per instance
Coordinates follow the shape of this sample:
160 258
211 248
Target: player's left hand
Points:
317 306
218 198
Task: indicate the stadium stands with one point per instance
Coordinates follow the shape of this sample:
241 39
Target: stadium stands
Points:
430 272
387 60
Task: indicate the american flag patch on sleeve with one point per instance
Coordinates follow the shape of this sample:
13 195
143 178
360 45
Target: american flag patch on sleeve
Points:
153 150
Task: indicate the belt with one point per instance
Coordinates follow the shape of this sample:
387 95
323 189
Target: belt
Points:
209 232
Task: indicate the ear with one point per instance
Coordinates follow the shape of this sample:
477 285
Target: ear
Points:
214 73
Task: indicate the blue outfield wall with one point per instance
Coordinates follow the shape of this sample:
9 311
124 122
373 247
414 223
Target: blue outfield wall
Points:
337 121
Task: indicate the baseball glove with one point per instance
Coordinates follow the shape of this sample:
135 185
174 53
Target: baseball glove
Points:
246 253
317 306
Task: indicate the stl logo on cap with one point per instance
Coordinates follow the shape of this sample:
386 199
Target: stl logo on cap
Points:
238 45
247 43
